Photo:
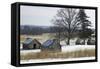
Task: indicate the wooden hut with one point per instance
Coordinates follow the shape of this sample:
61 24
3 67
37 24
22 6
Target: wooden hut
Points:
51 45
29 43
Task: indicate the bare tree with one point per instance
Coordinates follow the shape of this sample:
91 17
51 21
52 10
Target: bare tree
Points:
67 19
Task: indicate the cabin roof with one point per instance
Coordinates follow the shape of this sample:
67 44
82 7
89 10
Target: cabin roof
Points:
28 41
37 41
48 43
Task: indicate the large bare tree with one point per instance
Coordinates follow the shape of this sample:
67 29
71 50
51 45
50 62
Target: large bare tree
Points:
67 19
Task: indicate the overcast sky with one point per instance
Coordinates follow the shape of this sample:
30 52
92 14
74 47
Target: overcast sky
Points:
41 16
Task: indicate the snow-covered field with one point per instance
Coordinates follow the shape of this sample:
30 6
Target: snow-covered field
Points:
64 49
77 47
29 51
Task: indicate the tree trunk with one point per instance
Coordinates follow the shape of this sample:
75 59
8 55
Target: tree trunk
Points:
84 42
68 41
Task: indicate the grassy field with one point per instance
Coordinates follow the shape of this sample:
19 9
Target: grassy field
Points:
43 55
72 54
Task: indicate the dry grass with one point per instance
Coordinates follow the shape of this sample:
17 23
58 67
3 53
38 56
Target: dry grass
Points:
72 54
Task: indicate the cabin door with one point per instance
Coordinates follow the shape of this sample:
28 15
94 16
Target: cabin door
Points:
34 46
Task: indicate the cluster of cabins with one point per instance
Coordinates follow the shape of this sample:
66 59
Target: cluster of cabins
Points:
52 45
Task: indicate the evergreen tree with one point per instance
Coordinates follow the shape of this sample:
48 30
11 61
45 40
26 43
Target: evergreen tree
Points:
85 31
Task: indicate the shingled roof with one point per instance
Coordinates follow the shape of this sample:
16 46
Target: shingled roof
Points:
28 41
48 43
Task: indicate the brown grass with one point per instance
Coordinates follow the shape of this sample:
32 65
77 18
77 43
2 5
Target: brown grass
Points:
72 54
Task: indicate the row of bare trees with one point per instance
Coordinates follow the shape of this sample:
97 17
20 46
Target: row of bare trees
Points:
71 20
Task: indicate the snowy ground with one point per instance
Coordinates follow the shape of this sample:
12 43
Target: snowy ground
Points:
77 47
56 60
64 49
29 51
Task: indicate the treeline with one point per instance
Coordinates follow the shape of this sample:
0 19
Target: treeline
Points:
37 30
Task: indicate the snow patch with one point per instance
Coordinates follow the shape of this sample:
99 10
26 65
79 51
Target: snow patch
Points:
29 51
76 47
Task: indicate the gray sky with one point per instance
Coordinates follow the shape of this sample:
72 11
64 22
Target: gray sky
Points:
41 16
